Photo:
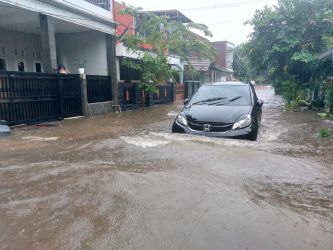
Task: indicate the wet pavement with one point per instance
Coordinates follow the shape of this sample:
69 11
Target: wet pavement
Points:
123 181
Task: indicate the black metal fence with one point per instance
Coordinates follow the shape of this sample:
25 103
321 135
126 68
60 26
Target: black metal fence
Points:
30 98
191 87
70 95
99 88
164 94
131 95
105 4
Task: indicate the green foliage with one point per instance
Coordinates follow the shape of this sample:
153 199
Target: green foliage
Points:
242 65
286 41
156 38
324 133
326 115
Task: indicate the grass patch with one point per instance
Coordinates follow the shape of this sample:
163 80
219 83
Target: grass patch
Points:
324 133
325 115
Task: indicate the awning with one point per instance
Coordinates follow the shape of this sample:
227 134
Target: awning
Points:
200 65
226 70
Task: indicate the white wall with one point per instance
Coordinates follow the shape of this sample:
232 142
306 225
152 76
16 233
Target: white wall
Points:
87 8
229 57
220 76
28 43
74 11
84 46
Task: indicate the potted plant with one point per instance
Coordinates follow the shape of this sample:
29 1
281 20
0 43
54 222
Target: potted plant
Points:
81 67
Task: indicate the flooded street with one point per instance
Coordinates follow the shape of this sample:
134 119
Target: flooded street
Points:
124 181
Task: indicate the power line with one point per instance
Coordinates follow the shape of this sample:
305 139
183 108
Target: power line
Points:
227 5
226 22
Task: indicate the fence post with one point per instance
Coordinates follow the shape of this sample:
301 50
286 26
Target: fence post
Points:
150 98
120 93
61 98
84 95
137 95
173 92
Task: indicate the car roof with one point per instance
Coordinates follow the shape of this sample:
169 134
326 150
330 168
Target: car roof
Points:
225 83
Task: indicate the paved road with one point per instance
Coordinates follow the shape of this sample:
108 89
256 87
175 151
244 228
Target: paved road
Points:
125 182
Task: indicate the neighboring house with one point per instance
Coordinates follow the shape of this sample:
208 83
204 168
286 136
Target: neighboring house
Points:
38 35
127 24
221 69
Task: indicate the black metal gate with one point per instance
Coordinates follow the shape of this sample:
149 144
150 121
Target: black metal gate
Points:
164 94
31 98
191 87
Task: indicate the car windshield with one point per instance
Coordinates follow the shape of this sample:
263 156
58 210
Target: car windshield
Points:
218 95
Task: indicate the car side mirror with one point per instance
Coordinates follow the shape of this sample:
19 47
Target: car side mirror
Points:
260 102
186 101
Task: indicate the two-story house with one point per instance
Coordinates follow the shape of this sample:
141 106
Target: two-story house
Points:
36 36
127 24
221 69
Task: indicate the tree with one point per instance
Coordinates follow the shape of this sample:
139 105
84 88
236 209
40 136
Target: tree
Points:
286 41
159 36
242 65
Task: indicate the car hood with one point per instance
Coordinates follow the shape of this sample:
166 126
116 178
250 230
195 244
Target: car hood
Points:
218 114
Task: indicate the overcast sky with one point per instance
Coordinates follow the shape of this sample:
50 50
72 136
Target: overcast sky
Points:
225 18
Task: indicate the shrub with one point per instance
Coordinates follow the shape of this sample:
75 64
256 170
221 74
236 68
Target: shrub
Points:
324 133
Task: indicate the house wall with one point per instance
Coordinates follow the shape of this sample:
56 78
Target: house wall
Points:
27 47
221 76
229 57
74 11
221 48
225 54
88 47
123 20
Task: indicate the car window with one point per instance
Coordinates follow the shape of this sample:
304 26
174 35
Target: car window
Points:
228 95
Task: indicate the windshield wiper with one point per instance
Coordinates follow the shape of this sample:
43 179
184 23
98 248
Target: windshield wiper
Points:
235 98
209 100
221 103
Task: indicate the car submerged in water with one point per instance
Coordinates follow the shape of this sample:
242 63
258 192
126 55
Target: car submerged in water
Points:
224 109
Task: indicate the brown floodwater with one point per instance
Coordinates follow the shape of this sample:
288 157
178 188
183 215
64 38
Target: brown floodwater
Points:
123 181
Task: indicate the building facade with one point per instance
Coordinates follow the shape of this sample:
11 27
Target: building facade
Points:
221 69
36 36
128 25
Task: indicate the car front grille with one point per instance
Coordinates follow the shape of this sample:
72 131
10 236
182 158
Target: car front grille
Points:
214 127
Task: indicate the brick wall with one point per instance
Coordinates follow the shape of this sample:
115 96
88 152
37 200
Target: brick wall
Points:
221 48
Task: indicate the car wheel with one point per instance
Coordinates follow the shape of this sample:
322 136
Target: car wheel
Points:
175 129
253 136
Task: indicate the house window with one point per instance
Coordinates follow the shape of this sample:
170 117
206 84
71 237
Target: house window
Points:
22 52
33 54
16 52
20 66
3 64
38 67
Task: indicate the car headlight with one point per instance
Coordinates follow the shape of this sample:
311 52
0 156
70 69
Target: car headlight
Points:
244 121
182 119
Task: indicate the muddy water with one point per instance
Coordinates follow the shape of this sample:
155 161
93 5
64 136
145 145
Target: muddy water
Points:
125 182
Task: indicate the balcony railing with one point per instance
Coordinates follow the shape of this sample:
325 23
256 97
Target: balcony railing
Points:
105 4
